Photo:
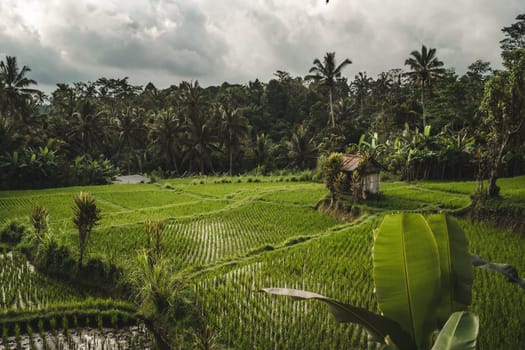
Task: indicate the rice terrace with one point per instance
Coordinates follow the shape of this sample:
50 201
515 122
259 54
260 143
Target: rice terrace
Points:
232 239
212 175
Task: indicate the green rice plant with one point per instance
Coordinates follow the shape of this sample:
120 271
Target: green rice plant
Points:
26 289
418 288
5 335
211 228
53 324
301 266
17 336
264 322
114 320
65 323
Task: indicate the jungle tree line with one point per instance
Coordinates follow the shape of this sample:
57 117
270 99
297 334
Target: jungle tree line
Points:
421 121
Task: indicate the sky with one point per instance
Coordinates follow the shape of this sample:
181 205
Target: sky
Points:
213 41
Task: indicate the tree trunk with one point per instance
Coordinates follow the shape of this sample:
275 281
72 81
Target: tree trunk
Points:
82 248
173 160
230 149
331 108
492 189
231 161
423 104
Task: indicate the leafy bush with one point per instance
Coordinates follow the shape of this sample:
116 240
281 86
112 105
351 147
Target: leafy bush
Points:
13 232
86 171
331 172
54 259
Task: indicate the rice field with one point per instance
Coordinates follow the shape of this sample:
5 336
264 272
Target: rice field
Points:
24 289
234 237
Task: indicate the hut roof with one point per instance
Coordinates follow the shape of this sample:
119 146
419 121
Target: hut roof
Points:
352 161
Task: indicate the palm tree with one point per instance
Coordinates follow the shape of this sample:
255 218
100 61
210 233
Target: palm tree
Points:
424 65
261 149
86 215
235 129
200 124
383 83
302 151
166 136
192 100
7 133
64 100
87 129
361 87
327 74
15 86
129 126
202 141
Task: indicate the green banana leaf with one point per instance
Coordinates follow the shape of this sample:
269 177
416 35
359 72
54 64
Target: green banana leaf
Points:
407 274
507 270
456 268
378 327
459 333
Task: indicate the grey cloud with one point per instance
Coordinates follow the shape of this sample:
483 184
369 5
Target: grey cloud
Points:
47 67
239 40
187 50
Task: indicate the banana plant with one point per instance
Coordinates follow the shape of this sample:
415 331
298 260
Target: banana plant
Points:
423 280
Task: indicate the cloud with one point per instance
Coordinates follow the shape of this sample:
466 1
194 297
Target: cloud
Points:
236 40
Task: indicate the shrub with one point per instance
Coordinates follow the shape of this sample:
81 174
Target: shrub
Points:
13 232
332 172
54 259
86 171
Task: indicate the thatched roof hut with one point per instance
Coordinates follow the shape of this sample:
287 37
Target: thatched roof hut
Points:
369 170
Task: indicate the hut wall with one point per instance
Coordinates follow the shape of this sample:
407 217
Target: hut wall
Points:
371 183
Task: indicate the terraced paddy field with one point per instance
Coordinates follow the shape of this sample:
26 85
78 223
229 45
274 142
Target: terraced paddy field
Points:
231 238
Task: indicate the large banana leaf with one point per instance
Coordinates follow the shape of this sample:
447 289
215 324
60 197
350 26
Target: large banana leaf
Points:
378 327
407 274
459 333
456 268
507 270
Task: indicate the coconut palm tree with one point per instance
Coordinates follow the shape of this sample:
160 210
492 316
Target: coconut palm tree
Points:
201 126
235 129
361 87
424 66
130 132
15 86
202 141
302 151
327 73
87 129
261 149
166 136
